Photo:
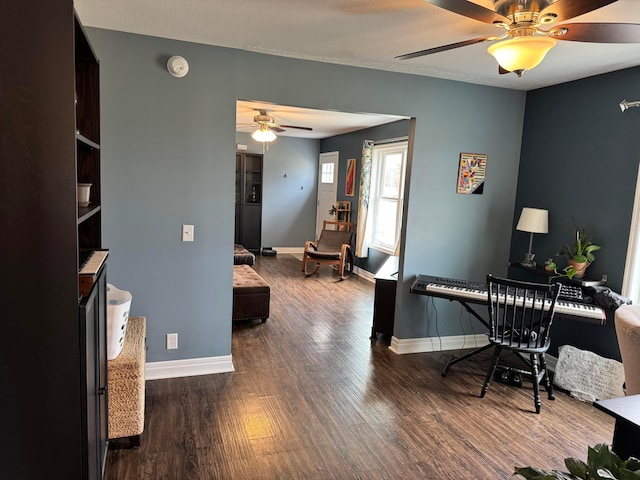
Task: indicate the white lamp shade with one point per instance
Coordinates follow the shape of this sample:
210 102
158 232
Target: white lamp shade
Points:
263 134
521 53
534 220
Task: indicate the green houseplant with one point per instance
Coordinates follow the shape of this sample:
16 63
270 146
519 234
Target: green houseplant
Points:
579 252
602 463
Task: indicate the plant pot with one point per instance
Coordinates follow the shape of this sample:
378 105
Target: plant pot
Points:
580 267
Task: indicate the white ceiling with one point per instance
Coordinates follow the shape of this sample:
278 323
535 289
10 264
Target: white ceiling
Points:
365 33
324 123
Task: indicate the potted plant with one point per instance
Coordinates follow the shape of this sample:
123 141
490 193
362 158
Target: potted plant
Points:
550 265
333 210
602 463
580 252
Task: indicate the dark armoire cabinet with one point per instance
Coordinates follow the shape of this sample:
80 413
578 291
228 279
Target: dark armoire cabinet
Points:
53 361
248 230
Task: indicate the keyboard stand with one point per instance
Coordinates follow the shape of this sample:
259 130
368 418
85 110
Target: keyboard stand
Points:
455 360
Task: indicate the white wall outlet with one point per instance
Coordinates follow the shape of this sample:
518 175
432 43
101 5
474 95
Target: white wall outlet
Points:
187 233
172 341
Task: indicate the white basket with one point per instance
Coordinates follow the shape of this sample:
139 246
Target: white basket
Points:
118 305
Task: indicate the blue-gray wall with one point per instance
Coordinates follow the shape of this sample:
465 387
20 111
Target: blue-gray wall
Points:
290 192
579 160
168 146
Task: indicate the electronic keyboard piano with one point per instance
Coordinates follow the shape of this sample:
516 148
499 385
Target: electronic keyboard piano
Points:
476 292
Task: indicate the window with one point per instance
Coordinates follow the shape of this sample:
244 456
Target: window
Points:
631 279
327 173
387 192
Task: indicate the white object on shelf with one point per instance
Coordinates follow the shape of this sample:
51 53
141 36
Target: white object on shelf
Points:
118 305
83 194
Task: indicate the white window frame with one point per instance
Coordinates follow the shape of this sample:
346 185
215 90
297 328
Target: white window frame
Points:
379 152
631 278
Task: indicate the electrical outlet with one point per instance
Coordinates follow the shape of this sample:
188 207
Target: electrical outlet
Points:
172 341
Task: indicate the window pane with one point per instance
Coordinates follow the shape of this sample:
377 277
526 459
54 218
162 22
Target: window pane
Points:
392 170
385 225
327 173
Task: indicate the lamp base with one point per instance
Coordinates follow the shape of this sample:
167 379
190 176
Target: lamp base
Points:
528 260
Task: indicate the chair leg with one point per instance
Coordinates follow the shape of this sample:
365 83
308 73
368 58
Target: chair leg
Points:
492 369
536 386
545 379
305 262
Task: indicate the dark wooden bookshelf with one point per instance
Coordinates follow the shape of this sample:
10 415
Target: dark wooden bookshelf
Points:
53 369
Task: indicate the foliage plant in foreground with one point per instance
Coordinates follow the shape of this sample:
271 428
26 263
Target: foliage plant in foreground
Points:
602 464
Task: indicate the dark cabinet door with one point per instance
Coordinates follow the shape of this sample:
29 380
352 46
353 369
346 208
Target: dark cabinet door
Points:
238 226
93 320
248 228
251 226
101 362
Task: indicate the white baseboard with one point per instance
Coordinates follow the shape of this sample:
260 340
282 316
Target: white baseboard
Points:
291 250
551 362
437 344
364 274
188 367
454 342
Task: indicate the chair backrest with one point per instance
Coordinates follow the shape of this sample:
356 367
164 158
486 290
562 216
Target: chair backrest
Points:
627 323
336 225
332 240
520 313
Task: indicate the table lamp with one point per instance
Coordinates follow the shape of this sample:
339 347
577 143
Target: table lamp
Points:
532 220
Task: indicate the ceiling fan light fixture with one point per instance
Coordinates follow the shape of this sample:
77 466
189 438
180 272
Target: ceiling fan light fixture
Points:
263 134
521 53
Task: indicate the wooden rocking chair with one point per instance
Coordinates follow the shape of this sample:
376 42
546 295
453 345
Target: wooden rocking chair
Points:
333 248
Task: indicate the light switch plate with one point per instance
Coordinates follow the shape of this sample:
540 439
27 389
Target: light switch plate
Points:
187 233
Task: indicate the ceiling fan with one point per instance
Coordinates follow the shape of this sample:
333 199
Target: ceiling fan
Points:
267 126
531 30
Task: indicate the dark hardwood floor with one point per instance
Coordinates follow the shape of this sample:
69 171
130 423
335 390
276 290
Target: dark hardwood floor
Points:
313 398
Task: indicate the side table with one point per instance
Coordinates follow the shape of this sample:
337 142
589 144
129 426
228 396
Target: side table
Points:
626 434
384 304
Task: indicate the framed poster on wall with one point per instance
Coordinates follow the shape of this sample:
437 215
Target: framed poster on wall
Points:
350 184
472 170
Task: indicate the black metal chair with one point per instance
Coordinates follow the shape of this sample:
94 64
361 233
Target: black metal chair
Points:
520 318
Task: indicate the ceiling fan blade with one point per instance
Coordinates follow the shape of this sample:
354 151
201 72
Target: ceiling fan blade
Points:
471 10
444 48
598 32
276 129
299 128
567 9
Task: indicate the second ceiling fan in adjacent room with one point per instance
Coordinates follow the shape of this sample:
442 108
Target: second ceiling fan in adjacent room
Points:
267 127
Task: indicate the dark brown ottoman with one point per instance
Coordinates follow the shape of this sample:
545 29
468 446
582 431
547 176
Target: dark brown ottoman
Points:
251 294
242 256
